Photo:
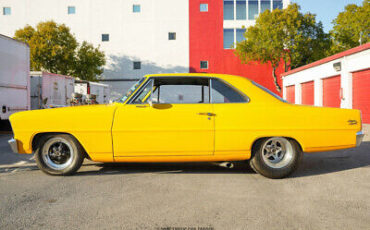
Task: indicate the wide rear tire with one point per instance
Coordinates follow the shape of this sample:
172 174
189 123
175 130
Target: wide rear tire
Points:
275 157
59 154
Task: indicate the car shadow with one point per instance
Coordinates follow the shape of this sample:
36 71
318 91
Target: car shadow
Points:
165 168
311 165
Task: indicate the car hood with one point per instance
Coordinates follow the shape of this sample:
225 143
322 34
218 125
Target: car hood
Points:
58 118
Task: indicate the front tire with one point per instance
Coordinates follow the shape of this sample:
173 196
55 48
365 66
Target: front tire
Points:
59 154
275 157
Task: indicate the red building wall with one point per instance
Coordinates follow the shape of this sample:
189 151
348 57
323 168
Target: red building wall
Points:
206 44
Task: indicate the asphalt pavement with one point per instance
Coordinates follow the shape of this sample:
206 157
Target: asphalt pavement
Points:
328 191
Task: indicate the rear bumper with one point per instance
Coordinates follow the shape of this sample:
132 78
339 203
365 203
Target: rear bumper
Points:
13 145
359 137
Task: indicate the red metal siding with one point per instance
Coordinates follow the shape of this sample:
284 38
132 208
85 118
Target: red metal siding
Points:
331 91
361 93
308 93
206 44
290 94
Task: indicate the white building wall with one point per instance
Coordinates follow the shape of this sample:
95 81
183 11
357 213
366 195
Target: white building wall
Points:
349 64
132 36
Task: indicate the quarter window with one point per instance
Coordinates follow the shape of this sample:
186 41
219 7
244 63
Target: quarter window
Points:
223 93
7 11
145 94
71 10
203 7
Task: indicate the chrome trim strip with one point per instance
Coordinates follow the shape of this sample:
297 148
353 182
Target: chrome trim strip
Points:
359 138
13 145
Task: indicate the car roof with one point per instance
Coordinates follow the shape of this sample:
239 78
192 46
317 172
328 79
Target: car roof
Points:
207 75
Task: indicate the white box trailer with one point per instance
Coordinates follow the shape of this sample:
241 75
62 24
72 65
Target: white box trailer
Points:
14 80
102 91
50 90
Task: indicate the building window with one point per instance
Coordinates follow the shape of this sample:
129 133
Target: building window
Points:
171 36
228 9
228 38
241 9
204 64
277 4
136 8
71 10
240 35
203 7
252 9
265 5
105 37
137 65
7 11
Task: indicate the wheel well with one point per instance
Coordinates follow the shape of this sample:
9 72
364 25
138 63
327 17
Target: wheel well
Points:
36 141
257 141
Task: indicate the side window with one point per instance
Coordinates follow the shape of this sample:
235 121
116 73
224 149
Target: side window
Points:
181 94
222 93
144 94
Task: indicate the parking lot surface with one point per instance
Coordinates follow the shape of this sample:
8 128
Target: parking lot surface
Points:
328 191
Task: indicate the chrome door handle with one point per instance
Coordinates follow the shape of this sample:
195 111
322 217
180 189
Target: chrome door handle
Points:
207 114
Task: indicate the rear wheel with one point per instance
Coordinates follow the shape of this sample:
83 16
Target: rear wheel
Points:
59 154
275 157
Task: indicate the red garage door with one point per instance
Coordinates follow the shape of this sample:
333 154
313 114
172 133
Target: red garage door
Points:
290 94
307 93
361 93
331 91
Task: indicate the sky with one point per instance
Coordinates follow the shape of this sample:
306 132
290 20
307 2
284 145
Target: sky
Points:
326 10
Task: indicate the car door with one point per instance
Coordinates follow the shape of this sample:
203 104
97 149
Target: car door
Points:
232 119
166 117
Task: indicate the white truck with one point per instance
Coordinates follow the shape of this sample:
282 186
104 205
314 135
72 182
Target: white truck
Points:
88 89
50 90
14 79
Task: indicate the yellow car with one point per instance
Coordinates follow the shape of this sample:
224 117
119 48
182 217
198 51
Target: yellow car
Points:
186 118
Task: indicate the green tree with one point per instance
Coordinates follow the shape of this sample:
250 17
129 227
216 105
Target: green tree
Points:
89 62
54 49
284 37
351 27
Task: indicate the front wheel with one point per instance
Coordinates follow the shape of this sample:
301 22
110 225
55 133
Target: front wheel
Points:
59 155
275 157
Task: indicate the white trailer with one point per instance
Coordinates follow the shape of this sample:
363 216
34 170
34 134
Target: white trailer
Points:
50 90
14 80
102 91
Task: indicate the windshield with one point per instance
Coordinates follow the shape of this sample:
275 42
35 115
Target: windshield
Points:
268 91
131 90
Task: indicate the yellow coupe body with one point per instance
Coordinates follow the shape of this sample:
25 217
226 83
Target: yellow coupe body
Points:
168 132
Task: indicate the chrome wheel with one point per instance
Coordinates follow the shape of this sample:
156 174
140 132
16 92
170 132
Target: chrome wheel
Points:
57 153
277 152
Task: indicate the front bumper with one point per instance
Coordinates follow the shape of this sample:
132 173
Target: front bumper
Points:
359 137
13 145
